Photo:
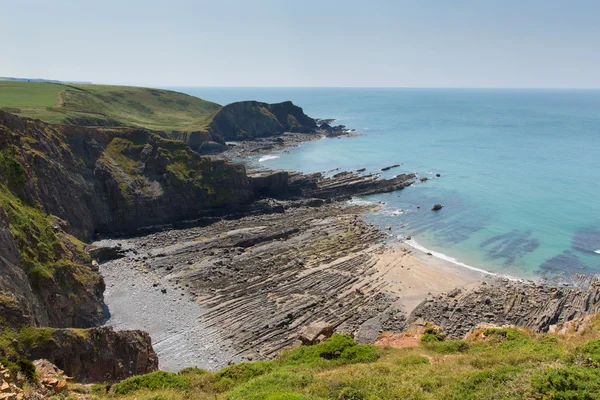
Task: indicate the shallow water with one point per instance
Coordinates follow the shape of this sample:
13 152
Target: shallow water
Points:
519 168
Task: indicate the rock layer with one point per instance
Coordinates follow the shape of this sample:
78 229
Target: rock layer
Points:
503 302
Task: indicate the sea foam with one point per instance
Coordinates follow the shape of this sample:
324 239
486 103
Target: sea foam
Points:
414 244
267 157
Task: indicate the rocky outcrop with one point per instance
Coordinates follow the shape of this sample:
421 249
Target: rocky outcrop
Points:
538 307
61 184
247 120
89 355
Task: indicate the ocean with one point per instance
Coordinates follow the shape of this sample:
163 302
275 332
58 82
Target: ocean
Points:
519 168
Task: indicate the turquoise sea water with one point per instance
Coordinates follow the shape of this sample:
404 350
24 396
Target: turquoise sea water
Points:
520 169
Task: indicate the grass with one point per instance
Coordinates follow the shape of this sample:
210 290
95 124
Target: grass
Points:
92 105
505 363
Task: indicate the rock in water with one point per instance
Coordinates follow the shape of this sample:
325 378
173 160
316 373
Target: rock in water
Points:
437 207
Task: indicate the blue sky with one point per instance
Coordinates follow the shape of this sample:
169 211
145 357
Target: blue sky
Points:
443 43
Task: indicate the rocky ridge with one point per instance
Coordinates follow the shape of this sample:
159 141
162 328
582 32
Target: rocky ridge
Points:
539 307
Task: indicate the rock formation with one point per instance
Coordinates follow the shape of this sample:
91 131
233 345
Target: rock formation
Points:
504 302
247 120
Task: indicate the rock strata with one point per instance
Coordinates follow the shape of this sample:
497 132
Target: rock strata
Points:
504 302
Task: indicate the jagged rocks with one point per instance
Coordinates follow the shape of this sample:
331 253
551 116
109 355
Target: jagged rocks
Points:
503 302
11 387
50 376
93 355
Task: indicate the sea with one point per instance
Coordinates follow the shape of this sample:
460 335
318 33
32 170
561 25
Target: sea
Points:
519 169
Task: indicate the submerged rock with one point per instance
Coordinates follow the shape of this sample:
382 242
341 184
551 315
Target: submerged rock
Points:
437 207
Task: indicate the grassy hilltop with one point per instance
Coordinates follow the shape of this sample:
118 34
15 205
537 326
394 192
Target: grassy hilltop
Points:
104 105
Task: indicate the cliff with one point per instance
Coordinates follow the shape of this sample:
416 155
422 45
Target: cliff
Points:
88 355
247 120
62 184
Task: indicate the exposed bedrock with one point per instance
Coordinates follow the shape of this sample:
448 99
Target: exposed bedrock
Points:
247 120
93 355
260 279
539 307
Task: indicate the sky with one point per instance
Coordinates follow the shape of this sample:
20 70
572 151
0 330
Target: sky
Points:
350 43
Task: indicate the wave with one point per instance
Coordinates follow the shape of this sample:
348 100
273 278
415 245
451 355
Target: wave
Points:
267 157
355 201
597 251
413 243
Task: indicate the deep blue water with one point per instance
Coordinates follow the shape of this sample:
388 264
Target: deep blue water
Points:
519 168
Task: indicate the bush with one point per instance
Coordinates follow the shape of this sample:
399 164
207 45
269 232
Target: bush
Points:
245 371
433 337
152 381
338 348
569 383
590 353
23 366
28 369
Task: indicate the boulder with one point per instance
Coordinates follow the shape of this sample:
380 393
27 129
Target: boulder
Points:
315 333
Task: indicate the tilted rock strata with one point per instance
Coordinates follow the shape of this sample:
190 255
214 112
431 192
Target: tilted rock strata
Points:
539 307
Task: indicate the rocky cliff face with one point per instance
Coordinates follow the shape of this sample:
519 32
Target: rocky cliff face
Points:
88 355
539 307
62 184
251 119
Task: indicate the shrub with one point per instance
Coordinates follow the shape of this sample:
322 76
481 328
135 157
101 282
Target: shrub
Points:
23 366
590 353
572 383
28 369
245 371
433 337
152 381
340 349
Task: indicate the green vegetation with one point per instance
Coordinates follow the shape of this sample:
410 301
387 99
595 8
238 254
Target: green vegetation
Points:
152 381
499 363
42 250
103 105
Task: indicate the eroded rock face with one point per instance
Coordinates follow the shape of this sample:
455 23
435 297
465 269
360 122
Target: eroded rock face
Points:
539 307
95 180
97 354
251 119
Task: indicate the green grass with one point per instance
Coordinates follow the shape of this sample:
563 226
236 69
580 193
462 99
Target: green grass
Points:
155 109
503 363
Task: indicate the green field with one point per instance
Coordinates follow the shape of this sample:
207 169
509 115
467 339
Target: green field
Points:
98 105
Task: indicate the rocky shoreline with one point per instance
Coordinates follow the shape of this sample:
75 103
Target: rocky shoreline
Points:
241 286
